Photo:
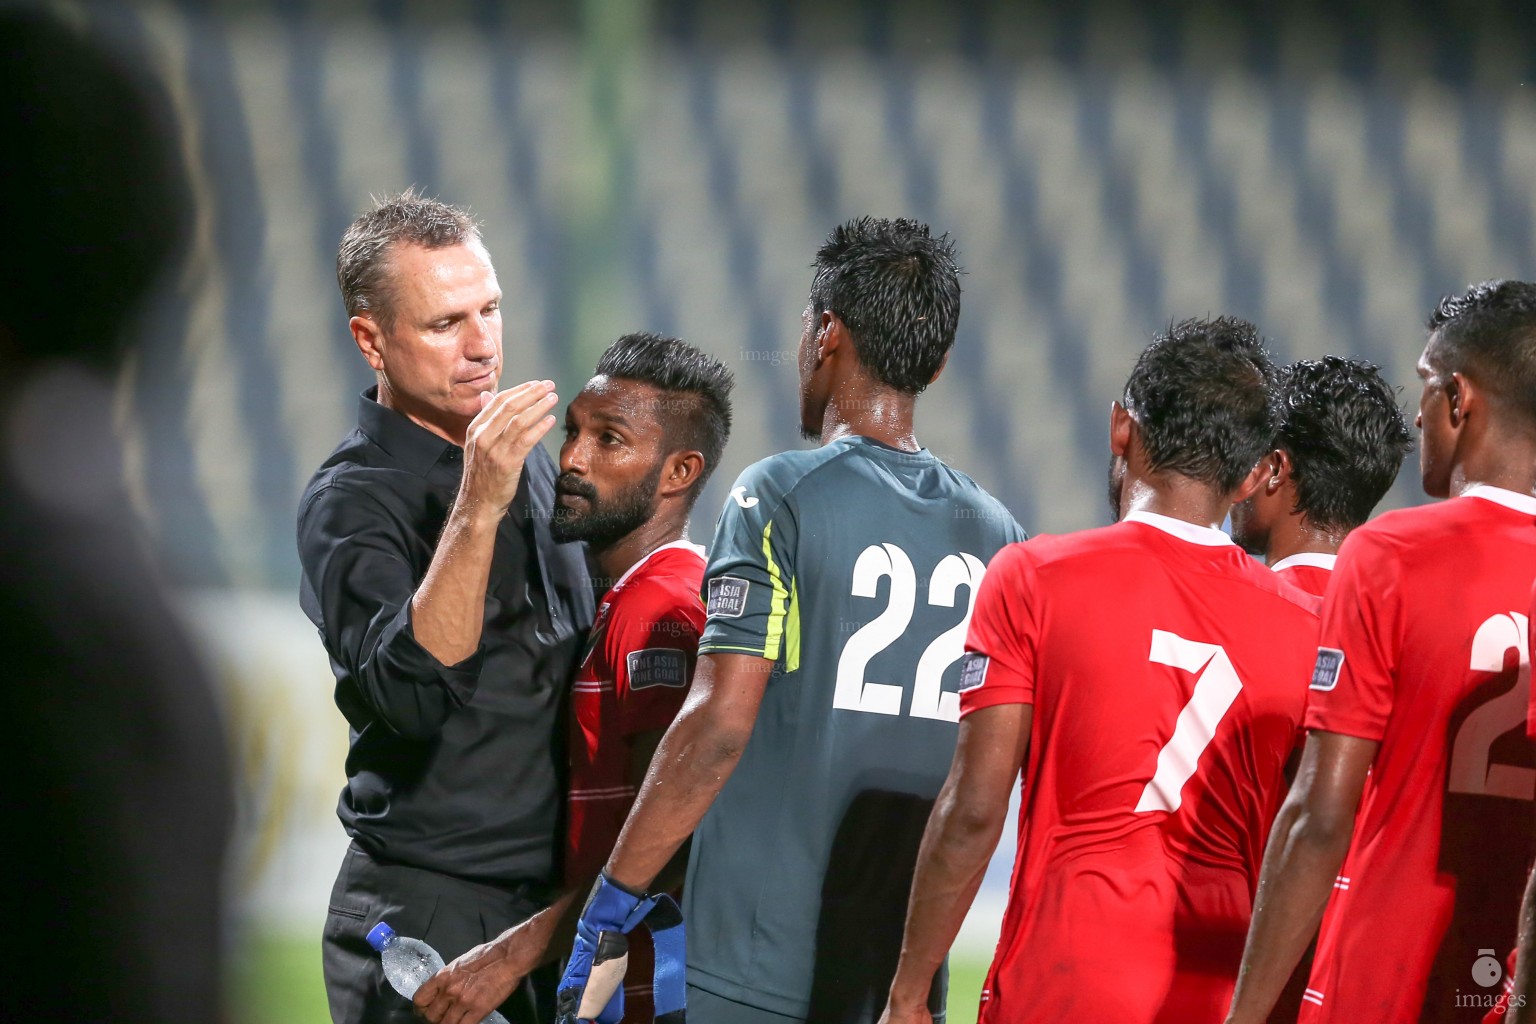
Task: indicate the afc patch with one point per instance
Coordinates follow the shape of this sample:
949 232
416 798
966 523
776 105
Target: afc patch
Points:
728 597
656 666
973 670
1325 673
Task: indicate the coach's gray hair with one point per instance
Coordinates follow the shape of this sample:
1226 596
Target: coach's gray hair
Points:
362 261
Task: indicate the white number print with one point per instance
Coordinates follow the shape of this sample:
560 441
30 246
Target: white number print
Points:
853 692
929 698
1471 771
1216 688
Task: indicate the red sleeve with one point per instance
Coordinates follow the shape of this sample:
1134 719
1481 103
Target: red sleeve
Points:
1354 679
1530 632
652 642
999 665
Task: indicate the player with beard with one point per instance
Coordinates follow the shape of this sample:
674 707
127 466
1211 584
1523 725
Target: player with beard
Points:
840 582
1407 829
1148 678
1341 444
641 439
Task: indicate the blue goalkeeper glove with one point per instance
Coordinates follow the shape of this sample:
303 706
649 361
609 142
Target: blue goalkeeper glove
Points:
593 985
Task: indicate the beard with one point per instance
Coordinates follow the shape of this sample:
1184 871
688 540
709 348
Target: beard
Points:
606 521
1247 536
1115 489
810 428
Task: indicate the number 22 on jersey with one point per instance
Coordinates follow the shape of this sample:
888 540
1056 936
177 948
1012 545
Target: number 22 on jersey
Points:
929 699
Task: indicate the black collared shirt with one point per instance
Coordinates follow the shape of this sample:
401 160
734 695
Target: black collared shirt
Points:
453 768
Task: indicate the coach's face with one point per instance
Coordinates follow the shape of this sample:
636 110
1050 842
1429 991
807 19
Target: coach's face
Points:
442 346
611 462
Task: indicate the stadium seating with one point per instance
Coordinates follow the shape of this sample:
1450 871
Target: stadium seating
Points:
1326 172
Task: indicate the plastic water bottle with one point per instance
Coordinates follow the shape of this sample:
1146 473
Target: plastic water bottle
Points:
408 963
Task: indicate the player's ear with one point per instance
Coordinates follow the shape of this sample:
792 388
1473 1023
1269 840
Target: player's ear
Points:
1462 396
831 335
1280 470
680 471
1121 428
369 338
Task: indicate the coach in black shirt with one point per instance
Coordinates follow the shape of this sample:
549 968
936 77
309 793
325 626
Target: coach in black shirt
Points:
452 619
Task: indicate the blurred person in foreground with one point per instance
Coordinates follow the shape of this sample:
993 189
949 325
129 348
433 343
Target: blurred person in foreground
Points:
641 439
1409 819
452 617
1148 678
117 803
1342 442
822 714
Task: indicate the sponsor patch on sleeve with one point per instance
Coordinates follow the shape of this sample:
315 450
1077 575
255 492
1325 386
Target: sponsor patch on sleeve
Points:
728 597
973 670
1325 673
657 666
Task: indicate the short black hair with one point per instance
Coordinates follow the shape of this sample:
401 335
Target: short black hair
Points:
1346 437
897 290
1204 394
695 411
1488 332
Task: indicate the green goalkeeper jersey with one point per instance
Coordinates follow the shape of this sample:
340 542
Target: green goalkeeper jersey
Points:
852 567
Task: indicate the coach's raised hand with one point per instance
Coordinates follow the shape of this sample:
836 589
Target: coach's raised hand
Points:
448 609
499 439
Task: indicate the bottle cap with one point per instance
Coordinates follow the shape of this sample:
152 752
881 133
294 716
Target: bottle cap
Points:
380 936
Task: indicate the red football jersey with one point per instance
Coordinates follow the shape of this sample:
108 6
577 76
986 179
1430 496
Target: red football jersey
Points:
1309 571
633 679
1168 674
1424 649
1496 1014
1530 721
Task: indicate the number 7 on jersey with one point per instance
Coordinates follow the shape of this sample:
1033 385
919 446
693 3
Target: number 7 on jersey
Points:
1216 687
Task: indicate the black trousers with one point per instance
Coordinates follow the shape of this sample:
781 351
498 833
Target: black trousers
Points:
449 914
708 1008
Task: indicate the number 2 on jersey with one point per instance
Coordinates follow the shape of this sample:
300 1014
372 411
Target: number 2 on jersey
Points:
1216 688
1471 767
929 699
